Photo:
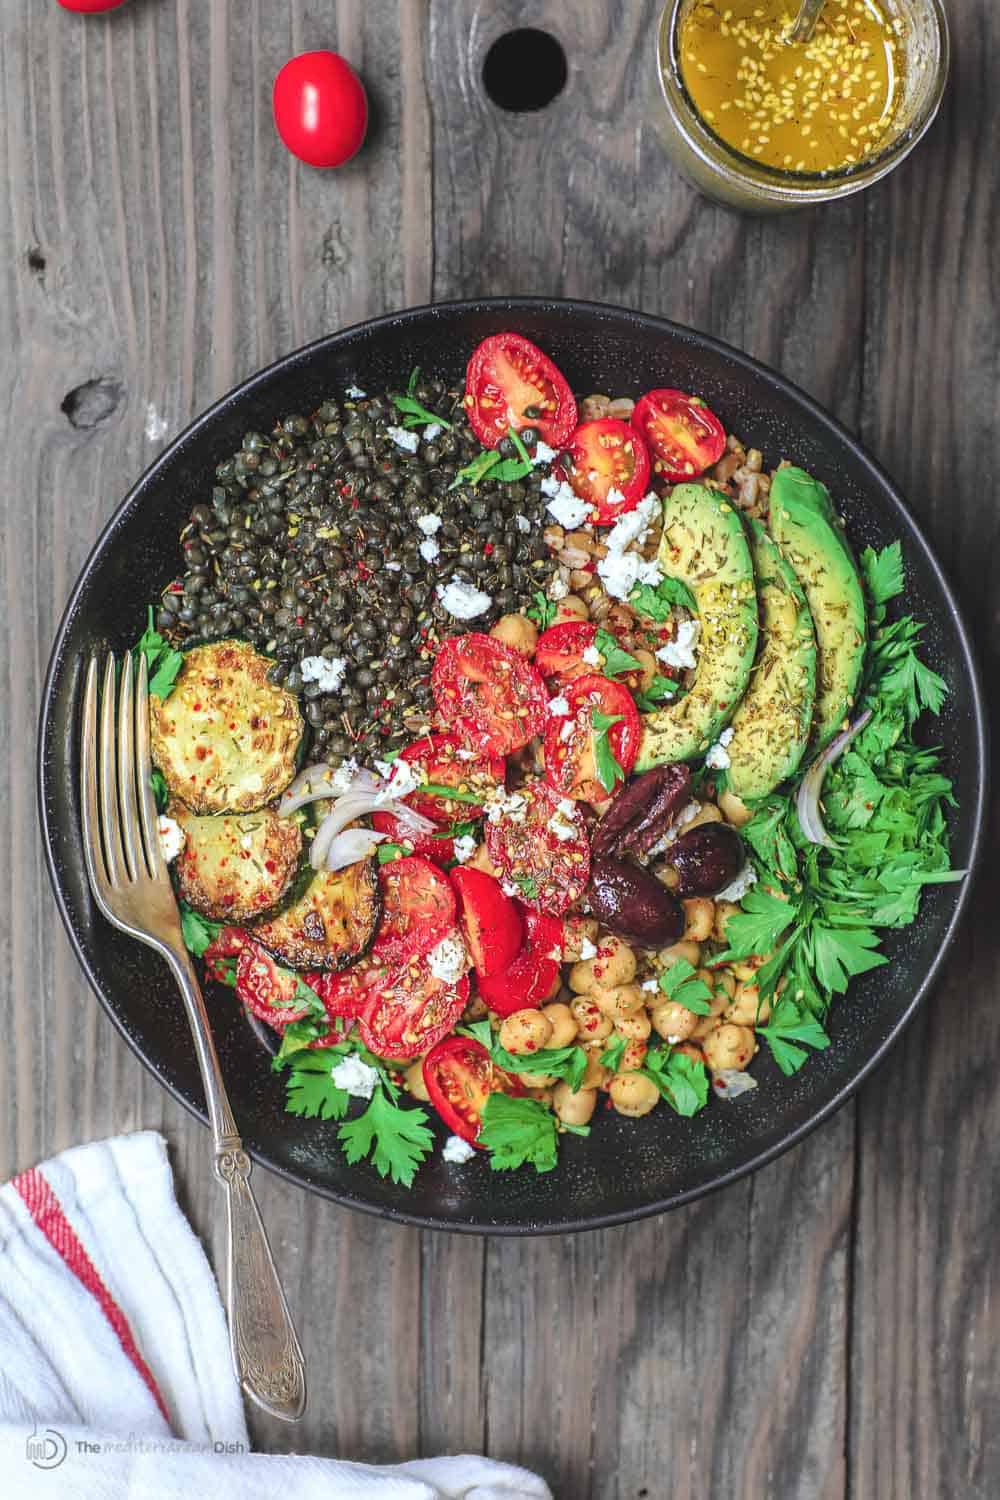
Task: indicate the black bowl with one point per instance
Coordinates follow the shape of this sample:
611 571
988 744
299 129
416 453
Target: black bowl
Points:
627 1168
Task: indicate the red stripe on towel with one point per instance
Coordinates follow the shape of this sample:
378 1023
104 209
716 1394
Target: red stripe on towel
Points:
46 1210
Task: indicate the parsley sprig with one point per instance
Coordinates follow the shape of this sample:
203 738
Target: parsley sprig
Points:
413 414
609 772
162 661
491 464
542 611
660 690
681 1080
656 602
518 1132
617 662
681 983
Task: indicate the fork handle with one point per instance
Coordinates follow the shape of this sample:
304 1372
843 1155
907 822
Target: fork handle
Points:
267 1356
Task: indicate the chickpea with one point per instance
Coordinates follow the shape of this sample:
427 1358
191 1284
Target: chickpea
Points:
689 1049
612 965
689 951
633 1057
413 1079
573 1109
747 1008
723 911
726 981
563 1024
649 665
706 1024
746 968
591 1025
570 610
517 631
623 1001
633 1094
729 1047
707 813
525 1031
635 1027
671 1019
596 1074
539 1085
735 809
699 917
575 929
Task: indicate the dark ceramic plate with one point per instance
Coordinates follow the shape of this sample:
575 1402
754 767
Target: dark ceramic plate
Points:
627 1168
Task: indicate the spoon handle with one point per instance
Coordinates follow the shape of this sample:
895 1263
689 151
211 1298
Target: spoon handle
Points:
805 21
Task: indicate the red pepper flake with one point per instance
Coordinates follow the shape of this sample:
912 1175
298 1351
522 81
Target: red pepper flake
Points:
488 549
197 708
364 572
355 503
269 866
177 588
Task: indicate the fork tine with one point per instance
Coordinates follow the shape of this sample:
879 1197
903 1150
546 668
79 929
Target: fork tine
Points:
110 822
147 802
127 804
89 809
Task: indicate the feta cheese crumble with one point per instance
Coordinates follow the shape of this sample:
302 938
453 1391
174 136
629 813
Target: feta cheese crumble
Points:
357 1077
429 549
558 588
621 571
172 838
394 567
737 888
543 454
429 523
431 431
718 756
730 1083
680 651
587 948
558 707
503 804
449 960
464 753
399 777
408 441
651 984
685 816
592 656
563 822
343 776
326 672
463 600
355 392
457 1150
523 524
465 847
633 527
565 506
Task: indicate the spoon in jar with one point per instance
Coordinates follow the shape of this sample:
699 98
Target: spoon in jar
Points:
805 22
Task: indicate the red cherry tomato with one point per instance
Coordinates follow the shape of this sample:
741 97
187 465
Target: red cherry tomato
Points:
511 383
490 922
436 848
559 652
552 872
418 910
410 1010
530 979
570 763
90 7
460 1076
346 994
265 988
443 759
320 108
494 687
607 464
685 438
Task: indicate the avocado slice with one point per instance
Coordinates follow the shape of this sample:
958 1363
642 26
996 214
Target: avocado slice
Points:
772 724
704 545
806 527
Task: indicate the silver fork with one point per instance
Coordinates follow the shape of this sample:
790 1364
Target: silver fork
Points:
129 880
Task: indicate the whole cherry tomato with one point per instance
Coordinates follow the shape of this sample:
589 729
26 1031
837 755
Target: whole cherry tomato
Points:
90 7
320 108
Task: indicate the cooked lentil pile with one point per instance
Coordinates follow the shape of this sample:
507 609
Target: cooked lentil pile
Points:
311 547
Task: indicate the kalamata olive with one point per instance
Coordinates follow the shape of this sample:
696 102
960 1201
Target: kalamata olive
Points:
629 901
707 859
643 811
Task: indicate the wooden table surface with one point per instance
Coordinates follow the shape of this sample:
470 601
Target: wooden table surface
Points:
829 1327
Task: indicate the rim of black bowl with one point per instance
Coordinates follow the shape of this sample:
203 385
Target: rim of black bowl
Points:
879 479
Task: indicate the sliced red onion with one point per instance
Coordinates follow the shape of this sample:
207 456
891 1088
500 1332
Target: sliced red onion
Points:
351 845
349 809
811 786
314 783
410 821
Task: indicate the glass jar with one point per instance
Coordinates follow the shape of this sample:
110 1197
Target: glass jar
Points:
722 173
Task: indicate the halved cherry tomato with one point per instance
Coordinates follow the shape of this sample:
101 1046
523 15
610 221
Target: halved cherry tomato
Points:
494 687
460 1076
530 979
438 849
511 383
410 1010
90 7
265 988
607 464
490 922
559 652
320 108
550 872
685 438
444 760
570 764
347 993
418 909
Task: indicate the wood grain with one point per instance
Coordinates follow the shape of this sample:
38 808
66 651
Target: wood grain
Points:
828 1329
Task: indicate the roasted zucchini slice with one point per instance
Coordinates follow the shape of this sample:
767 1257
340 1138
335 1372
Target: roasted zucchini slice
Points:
225 738
331 924
239 867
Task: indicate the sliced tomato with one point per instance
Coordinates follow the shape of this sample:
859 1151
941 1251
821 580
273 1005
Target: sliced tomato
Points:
409 1010
347 993
265 988
607 464
550 872
530 979
495 688
491 924
433 846
460 1076
559 652
230 942
418 909
444 761
510 383
684 437
570 762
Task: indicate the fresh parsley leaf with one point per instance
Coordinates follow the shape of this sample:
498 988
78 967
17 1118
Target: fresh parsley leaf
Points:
310 1090
542 611
479 1031
475 472
838 953
457 831
161 793
167 667
609 772
768 836
655 603
527 885
511 469
162 662
518 1131
883 573
294 1038
682 1081
616 661
660 690
387 853
197 931
681 983
787 1026
574 1129
307 996
613 1053
415 415
397 1139
411 384
567 1063
757 926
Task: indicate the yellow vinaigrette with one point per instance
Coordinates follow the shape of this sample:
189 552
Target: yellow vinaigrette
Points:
804 107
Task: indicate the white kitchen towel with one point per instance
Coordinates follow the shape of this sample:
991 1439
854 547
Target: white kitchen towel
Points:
116 1381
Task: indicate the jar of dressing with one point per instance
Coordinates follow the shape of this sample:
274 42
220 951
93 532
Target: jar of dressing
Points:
765 125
